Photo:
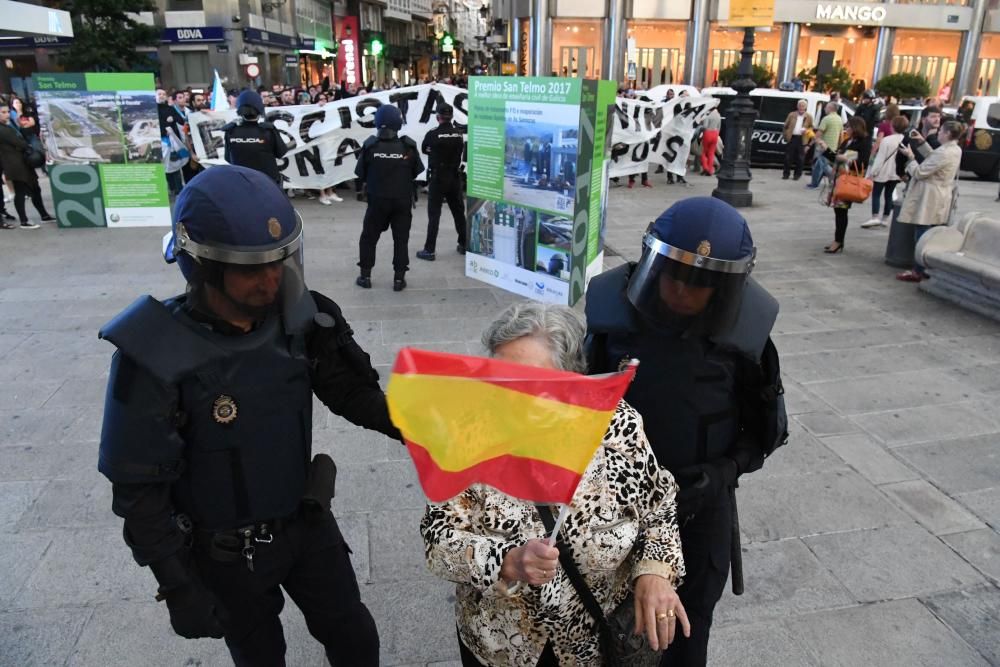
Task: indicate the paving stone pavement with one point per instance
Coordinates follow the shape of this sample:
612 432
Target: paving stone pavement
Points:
872 538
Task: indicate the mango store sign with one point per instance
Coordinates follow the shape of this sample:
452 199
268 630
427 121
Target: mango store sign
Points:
850 13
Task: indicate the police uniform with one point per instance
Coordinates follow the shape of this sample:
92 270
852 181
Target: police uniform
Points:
251 141
387 166
207 433
445 147
707 386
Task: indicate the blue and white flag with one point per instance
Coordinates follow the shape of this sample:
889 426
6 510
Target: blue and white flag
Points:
219 100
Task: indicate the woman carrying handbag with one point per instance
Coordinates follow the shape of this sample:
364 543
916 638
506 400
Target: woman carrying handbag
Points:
850 161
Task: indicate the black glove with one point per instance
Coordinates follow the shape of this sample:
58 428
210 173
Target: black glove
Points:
194 611
702 483
321 485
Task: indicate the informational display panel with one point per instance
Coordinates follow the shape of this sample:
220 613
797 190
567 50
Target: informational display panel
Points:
538 157
101 132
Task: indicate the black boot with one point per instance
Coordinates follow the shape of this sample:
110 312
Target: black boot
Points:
364 280
398 282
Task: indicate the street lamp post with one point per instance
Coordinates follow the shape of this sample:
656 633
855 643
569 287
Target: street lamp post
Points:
734 173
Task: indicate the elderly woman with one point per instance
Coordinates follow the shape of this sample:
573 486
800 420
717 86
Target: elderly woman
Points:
928 198
515 606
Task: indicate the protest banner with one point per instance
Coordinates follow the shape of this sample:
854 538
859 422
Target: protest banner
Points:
537 183
102 134
659 133
323 141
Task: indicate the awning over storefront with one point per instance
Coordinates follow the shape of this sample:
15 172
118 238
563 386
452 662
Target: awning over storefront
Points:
21 19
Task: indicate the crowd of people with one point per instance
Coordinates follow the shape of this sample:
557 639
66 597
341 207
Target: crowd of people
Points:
920 164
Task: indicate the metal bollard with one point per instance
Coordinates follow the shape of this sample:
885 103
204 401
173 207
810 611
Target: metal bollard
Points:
899 247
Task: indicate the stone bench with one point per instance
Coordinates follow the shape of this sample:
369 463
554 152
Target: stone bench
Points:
964 263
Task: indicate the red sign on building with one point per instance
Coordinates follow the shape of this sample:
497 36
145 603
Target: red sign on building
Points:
349 53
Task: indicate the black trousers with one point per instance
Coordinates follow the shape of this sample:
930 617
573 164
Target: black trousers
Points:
22 191
705 541
383 214
794 155
439 191
840 224
310 561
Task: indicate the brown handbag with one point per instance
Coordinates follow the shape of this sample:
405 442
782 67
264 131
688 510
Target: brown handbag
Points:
851 187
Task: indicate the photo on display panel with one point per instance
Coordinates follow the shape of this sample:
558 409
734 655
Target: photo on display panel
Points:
540 155
503 232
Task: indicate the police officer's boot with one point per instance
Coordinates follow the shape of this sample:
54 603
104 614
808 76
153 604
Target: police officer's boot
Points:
365 279
426 254
398 282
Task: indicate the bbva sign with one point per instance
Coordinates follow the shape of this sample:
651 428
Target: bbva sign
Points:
850 13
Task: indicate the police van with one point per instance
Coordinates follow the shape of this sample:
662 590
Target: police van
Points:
767 146
981 147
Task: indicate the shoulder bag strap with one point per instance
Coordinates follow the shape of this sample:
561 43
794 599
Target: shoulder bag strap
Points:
590 603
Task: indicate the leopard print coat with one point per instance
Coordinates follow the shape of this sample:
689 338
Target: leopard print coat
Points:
622 524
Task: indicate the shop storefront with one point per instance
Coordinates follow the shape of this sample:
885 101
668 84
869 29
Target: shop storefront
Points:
987 74
189 52
577 46
932 54
659 51
271 49
724 46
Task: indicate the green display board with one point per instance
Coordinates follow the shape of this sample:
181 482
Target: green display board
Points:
102 132
537 183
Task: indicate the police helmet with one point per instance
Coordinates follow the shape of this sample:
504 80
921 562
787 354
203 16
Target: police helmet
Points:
237 218
696 259
388 117
445 111
249 105
868 94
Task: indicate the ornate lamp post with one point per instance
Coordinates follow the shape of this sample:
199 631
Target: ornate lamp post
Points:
734 173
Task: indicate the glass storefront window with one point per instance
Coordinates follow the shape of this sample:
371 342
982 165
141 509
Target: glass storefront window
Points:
724 46
661 51
987 80
853 48
929 53
577 46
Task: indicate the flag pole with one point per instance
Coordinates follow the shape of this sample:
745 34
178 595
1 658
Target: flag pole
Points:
563 513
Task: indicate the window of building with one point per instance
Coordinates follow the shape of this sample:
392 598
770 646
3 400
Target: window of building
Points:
313 17
988 75
660 49
576 47
724 46
191 68
928 53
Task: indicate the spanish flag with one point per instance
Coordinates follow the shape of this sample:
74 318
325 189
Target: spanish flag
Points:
529 432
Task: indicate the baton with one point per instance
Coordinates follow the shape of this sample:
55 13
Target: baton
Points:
735 549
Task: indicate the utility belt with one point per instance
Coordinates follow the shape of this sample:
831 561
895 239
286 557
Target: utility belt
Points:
231 544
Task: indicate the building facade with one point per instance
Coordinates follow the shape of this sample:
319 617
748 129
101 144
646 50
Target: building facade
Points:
954 43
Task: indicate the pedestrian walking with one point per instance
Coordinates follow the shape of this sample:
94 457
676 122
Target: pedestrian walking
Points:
444 147
708 388
883 173
251 141
930 193
207 430
387 167
18 171
797 124
709 141
852 156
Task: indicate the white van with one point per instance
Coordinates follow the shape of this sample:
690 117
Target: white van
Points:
767 146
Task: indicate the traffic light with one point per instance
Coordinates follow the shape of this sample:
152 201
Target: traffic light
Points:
447 44
376 47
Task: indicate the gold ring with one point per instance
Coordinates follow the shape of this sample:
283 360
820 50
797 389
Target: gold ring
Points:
660 617
670 613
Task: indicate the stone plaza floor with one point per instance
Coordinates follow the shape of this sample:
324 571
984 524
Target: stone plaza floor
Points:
871 539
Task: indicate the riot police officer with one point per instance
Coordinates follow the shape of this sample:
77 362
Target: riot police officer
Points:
387 166
708 385
207 429
250 140
444 146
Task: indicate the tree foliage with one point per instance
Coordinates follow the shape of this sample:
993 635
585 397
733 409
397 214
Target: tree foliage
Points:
762 76
903 85
106 38
838 80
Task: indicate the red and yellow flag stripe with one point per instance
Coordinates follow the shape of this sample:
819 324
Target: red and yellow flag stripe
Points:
529 432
